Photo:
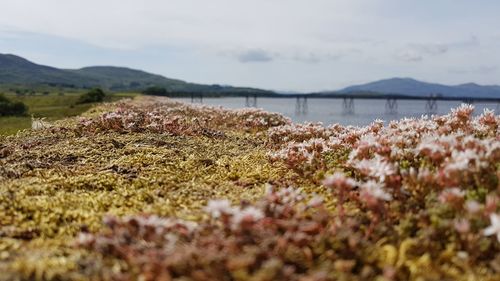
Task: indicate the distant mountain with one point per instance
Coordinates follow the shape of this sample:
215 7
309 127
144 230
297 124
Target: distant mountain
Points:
15 70
412 87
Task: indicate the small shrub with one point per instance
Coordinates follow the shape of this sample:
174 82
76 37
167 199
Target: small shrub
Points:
155 91
10 108
94 95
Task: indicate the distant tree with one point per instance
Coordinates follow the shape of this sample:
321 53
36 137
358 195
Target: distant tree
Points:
155 91
94 95
10 108
4 99
21 93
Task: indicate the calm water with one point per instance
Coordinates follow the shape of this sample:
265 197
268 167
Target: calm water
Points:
331 111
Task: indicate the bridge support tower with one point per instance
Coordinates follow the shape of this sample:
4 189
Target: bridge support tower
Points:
301 105
251 101
431 106
348 105
196 98
391 106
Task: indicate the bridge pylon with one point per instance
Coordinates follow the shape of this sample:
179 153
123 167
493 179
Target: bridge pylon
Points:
301 105
251 101
468 100
348 105
391 106
196 98
431 106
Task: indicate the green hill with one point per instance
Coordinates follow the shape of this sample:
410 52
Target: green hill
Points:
15 70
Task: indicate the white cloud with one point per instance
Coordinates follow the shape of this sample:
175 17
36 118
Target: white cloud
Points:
255 55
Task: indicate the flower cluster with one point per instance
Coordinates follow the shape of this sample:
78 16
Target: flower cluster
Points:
179 119
297 133
444 167
282 237
286 236
304 156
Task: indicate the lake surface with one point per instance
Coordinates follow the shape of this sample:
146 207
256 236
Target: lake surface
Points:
331 111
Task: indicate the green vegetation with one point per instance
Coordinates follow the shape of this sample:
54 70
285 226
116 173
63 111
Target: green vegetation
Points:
10 108
155 91
52 106
94 95
11 125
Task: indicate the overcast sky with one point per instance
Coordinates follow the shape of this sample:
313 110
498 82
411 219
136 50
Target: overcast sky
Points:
298 45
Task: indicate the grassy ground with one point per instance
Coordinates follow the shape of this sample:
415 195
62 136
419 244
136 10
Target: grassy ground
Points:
52 107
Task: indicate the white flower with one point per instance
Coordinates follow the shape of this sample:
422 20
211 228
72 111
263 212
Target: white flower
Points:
85 238
268 188
248 214
494 228
290 195
460 160
455 191
112 115
376 190
338 180
315 201
218 207
377 167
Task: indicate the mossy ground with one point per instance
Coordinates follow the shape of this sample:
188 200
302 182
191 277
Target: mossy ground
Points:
54 184
129 161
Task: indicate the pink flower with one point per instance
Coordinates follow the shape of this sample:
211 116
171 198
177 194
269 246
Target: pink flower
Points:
472 206
462 225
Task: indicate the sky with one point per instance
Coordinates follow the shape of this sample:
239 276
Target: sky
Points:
284 45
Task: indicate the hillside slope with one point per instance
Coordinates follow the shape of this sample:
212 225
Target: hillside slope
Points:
15 70
408 86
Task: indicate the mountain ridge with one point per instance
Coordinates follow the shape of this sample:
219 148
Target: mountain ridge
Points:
413 87
16 70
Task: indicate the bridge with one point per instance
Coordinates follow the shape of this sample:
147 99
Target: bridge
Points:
391 101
